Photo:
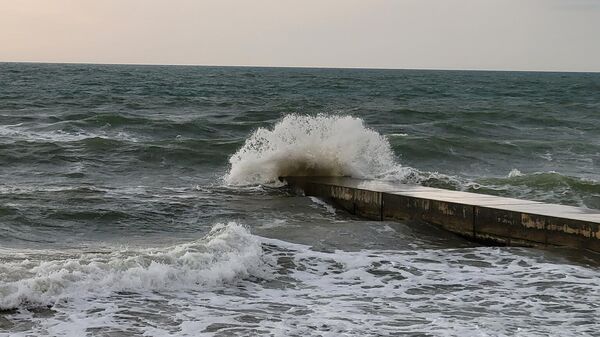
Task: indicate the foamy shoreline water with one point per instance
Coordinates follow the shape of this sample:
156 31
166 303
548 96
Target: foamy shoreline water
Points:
297 291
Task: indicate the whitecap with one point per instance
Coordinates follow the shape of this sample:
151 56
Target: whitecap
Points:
228 253
514 173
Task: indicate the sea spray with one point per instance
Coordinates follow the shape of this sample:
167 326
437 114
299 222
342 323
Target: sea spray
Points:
322 145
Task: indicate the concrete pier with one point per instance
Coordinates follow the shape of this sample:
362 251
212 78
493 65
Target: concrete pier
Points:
477 216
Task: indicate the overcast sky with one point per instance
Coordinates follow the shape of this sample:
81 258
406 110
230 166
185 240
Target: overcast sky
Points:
432 34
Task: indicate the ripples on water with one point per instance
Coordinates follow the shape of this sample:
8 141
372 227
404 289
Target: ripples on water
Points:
113 183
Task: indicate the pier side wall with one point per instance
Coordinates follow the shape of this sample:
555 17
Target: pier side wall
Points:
479 217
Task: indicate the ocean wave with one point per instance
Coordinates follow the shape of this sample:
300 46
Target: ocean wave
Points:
547 186
18 132
549 179
552 187
321 145
228 253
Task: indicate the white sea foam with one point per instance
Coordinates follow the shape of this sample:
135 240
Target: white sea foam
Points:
485 291
385 229
514 173
330 209
273 224
19 132
319 145
229 252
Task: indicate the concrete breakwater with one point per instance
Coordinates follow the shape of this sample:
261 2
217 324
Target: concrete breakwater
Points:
477 216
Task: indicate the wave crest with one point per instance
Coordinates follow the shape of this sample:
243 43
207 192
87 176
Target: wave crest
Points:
228 253
321 145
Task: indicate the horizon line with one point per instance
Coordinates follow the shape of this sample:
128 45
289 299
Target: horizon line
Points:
303 67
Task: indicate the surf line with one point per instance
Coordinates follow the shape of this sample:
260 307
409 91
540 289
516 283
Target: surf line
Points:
480 217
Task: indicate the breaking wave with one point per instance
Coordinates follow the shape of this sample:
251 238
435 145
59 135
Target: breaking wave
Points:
18 132
228 253
321 145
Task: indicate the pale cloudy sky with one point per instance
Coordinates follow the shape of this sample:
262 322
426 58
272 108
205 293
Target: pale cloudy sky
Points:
434 34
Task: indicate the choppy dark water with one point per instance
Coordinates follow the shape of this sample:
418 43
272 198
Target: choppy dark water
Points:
111 176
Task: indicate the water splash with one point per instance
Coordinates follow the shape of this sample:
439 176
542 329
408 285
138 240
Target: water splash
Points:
319 145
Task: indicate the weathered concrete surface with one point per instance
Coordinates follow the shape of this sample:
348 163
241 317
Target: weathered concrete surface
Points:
484 217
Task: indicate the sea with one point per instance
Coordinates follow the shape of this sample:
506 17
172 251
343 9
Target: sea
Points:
146 201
